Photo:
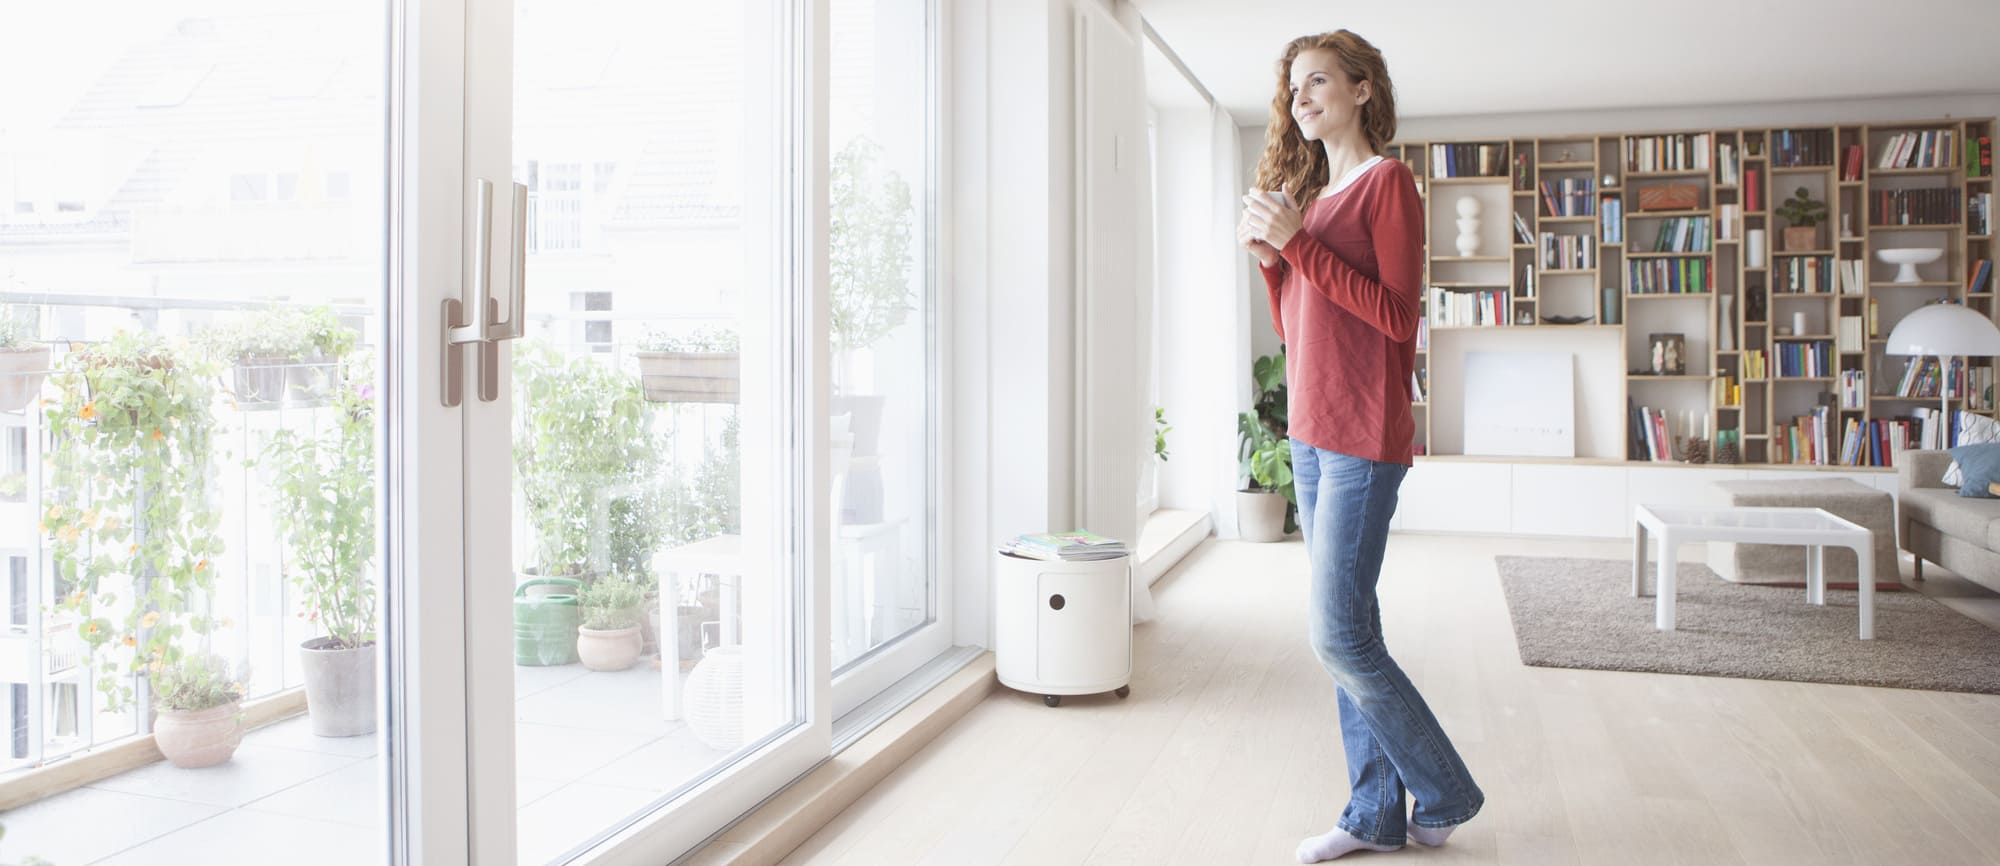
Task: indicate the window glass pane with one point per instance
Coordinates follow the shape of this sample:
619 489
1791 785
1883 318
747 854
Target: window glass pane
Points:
188 335
655 612
881 312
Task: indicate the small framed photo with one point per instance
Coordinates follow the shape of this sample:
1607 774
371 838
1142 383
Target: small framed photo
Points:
1669 353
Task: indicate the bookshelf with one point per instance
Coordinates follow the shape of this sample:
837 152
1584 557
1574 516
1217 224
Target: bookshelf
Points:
1682 233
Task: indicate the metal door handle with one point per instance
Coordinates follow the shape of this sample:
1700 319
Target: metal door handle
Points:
486 328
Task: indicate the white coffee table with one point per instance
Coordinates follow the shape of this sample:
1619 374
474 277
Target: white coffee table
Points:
1811 528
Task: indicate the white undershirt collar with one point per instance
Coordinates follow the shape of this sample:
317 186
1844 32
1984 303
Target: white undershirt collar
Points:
1352 175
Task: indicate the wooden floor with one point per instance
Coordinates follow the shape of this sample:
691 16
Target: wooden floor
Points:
1227 751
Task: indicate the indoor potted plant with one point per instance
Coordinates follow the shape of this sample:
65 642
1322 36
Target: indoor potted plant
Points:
23 364
1265 507
702 367
200 706
1802 215
609 638
282 352
871 266
325 486
130 511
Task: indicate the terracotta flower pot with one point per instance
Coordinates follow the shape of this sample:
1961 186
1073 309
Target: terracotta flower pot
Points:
199 738
1800 238
608 649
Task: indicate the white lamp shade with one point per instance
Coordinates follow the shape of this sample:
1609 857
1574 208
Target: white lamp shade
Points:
1944 329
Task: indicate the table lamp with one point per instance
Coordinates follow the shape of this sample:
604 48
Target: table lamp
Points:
1945 329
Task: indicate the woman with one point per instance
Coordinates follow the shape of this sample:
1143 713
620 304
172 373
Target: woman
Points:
1343 279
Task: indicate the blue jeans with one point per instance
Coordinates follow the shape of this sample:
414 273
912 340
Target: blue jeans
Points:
1393 742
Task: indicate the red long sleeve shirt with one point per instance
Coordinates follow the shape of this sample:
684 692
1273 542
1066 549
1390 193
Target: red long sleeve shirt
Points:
1344 299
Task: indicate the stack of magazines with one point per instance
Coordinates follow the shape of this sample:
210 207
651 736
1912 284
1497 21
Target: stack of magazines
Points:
1079 546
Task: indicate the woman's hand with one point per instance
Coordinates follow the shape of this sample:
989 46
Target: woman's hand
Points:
1274 223
1264 252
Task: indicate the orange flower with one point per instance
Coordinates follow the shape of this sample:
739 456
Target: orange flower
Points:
151 617
133 549
131 641
68 533
56 512
76 598
90 629
157 435
201 566
88 411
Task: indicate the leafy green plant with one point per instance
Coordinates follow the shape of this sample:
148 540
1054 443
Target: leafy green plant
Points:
707 502
325 485
1801 210
702 340
294 333
611 602
584 443
868 247
1264 451
1160 431
194 682
130 511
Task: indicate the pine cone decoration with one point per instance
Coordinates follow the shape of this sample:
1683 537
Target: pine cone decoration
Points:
1727 455
1697 451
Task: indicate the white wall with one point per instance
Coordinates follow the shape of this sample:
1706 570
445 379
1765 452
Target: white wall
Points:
1203 314
1017 249
1766 115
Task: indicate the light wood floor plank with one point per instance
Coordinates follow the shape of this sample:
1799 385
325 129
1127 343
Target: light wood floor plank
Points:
1228 750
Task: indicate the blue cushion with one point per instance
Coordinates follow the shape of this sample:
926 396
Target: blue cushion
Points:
1979 465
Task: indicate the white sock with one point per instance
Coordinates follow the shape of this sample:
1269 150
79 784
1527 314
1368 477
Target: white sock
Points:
1334 843
1429 837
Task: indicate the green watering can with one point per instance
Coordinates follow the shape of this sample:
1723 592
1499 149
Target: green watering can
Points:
545 625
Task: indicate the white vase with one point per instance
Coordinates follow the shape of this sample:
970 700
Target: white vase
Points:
1725 338
715 699
1468 226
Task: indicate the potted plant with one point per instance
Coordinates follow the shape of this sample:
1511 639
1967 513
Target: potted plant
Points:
609 639
130 511
325 487
868 249
282 352
1802 215
23 364
702 367
586 462
200 721
1266 507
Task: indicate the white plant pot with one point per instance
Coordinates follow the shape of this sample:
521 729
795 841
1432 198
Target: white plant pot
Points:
1260 515
21 373
340 687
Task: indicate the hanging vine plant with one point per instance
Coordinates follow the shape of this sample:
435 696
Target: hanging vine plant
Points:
133 524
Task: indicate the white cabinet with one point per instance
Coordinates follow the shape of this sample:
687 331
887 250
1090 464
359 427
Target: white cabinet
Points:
1569 500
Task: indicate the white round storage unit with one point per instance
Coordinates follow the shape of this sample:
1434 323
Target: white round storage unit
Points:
1063 628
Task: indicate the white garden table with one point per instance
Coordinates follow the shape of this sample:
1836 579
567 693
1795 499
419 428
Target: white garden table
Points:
1811 528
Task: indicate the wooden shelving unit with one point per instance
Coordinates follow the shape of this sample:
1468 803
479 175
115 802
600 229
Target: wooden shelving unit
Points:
1732 171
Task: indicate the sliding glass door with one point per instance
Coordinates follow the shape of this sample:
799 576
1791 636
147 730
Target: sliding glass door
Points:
524 410
662 479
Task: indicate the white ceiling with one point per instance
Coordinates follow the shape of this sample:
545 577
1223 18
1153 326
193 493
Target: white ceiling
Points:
1465 57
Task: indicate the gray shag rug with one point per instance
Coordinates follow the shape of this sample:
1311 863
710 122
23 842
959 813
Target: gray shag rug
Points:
1580 613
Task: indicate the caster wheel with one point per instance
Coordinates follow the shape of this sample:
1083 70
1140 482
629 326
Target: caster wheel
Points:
1052 700
1123 691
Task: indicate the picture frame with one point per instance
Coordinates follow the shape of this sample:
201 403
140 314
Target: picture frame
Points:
1668 353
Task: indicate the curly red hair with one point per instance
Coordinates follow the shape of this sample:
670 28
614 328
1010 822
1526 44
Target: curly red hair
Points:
1299 166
